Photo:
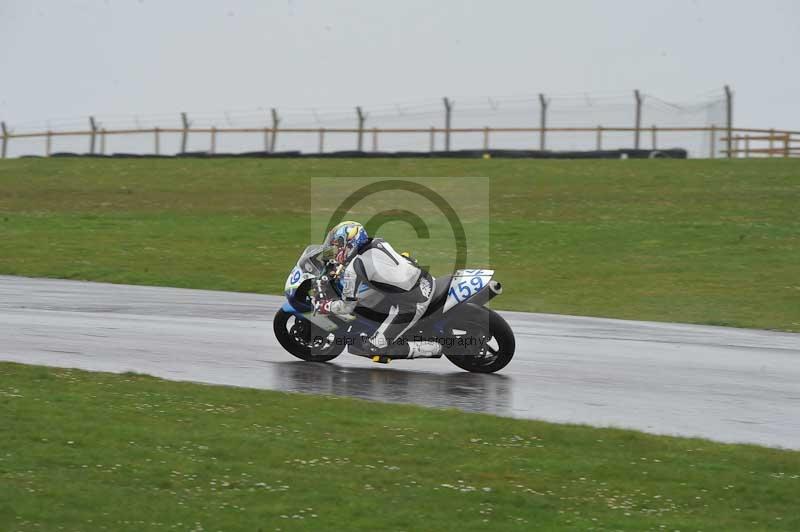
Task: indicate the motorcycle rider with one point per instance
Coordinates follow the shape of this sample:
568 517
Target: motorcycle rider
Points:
379 281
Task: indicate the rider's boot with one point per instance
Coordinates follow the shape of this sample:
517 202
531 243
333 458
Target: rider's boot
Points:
424 349
381 349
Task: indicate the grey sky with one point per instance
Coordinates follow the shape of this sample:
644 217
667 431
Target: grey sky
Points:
69 58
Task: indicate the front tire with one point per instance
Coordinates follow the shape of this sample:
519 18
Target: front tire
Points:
303 339
495 340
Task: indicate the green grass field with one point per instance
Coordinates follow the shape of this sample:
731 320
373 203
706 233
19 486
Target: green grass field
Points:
715 242
692 241
95 451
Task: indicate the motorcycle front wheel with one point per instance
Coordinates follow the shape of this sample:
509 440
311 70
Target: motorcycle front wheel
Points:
305 340
491 342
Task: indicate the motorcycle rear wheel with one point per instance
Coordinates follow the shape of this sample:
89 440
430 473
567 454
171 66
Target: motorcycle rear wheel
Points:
495 338
304 340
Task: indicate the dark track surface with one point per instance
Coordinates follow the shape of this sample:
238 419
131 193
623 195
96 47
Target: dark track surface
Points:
726 384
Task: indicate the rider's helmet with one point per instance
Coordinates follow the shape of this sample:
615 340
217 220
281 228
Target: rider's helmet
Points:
343 242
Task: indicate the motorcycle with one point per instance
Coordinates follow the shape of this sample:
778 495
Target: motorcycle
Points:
473 337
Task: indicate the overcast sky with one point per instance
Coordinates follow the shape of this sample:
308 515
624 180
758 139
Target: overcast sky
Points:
69 58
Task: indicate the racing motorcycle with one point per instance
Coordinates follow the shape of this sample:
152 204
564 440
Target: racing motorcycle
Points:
473 337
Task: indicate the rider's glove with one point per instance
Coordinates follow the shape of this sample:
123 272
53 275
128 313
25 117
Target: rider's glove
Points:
323 306
342 309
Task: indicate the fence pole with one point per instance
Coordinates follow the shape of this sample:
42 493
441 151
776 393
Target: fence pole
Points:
729 118
321 139
361 119
374 139
93 134
786 141
713 142
747 146
4 148
599 138
638 119
432 139
486 138
48 143
771 139
653 139
185 132
213 139
542 122
157 140
103 141
448 111
275 122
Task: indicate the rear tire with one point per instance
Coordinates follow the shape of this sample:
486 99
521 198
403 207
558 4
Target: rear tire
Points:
488 358
304 340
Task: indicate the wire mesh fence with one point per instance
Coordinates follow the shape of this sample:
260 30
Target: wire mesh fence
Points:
569 122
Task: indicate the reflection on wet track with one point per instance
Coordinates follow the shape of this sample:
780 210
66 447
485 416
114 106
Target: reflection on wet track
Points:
466 391
715 382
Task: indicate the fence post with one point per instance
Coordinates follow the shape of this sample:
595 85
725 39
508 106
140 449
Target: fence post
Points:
103 141
213 139
157 140
638 119
4 149
185 132
275 122
729 119
321 139
786 141
747 146
653 139
93 134
542 121
599 138
771 140
486 138
374 139
713 142
448 111
432 139
361 119
48 143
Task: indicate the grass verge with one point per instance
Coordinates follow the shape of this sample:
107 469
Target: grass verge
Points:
713 241
94 451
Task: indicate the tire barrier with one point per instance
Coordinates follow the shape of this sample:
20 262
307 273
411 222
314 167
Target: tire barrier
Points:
673 153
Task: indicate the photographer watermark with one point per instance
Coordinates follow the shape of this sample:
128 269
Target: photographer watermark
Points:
443 222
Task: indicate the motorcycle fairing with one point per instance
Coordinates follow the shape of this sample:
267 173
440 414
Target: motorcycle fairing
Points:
320 320
465 285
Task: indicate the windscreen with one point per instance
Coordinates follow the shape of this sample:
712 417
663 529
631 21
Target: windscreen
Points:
311 259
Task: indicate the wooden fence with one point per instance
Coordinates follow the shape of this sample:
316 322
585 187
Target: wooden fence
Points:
737 142
769 143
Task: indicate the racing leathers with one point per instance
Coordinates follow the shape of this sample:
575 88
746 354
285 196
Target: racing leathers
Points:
386 286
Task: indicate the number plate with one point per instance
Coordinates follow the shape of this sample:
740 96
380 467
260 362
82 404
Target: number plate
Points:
295 279
465 284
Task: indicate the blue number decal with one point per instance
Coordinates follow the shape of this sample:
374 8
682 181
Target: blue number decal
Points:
295 276
466 288
477 283
452 293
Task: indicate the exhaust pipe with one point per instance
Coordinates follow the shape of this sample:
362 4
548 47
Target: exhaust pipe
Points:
483 297
496 288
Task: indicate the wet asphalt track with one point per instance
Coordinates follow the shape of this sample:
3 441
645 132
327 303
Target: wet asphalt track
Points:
720 383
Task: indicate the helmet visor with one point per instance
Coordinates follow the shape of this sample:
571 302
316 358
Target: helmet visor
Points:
334 249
